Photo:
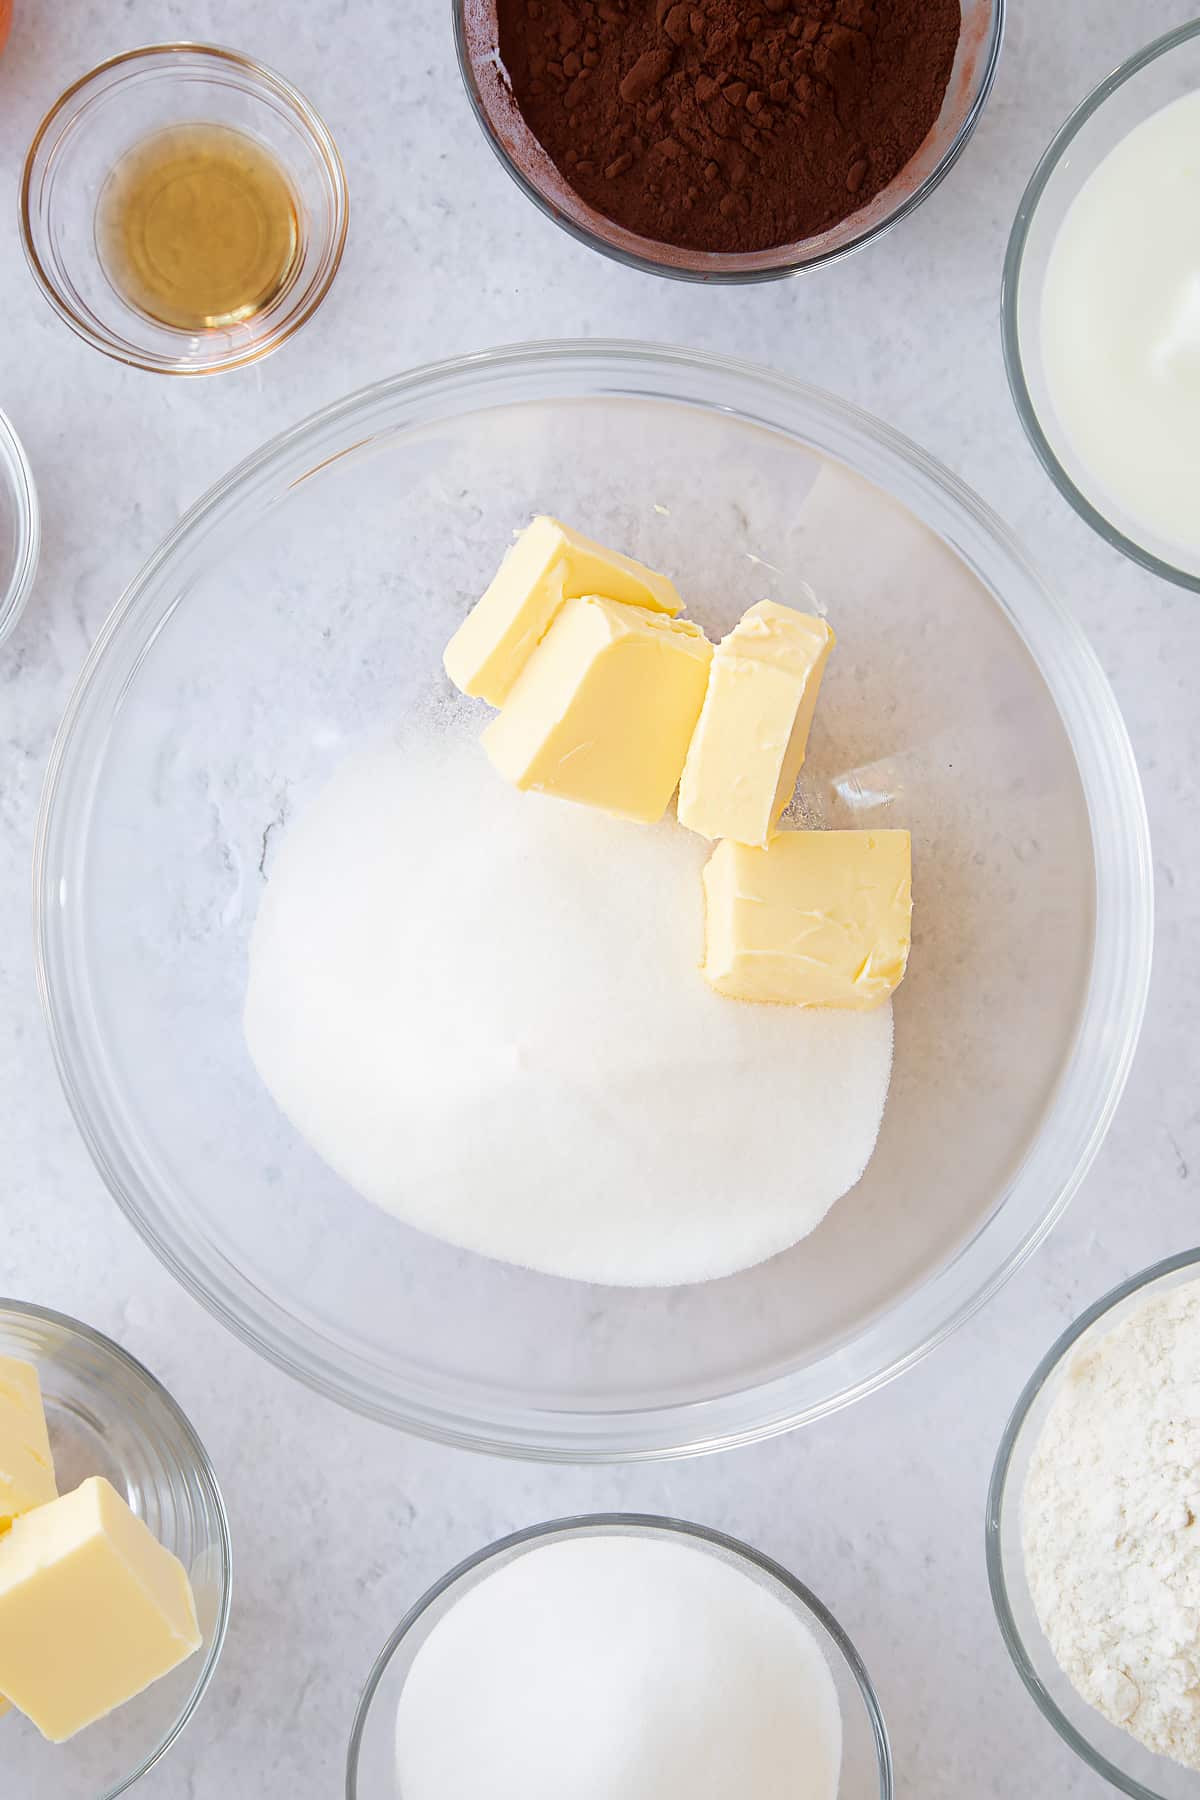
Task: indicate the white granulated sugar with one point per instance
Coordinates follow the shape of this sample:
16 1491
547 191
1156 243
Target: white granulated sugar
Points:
483 1009
619 1668
1111 1524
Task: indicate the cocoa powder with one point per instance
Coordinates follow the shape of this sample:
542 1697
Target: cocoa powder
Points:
729 125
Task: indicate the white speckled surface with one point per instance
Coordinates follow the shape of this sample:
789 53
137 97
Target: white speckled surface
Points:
338 1524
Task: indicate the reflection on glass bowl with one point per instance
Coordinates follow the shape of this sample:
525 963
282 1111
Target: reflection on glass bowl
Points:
20 528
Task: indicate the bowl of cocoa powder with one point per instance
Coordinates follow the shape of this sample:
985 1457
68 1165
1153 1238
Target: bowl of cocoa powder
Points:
728 140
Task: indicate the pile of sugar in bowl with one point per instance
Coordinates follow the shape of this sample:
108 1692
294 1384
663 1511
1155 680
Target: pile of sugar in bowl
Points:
603 1665
482 1009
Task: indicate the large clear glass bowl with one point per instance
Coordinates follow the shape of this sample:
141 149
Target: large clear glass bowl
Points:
866 1771
1162 72
300 609
1104 1747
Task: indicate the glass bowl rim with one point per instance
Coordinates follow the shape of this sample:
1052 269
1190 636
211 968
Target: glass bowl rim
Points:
1014 260
642 1524
716 272
15 463
997 1501
315 130
204 1469
1110 1024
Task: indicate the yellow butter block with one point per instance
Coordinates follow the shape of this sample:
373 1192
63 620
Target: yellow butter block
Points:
605 708
818 918
93 1610
743 762
26 1466
549 563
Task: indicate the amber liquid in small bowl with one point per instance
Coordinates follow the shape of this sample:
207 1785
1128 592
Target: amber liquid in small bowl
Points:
198 227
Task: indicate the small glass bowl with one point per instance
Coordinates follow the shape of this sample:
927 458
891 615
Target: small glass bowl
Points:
119 104
108 1416
475 35
1162 72
1111 1752
866 1753
20 528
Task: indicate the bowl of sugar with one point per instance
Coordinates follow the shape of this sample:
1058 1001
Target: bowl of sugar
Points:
1101 308
414 1077
619 1654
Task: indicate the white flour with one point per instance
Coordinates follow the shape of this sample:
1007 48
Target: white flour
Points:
619 1668
1111 1524
483 1009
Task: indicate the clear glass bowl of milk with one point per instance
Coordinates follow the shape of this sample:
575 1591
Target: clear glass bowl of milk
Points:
1101 308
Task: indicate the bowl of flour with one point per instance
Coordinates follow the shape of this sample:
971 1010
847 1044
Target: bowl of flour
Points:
1093 1534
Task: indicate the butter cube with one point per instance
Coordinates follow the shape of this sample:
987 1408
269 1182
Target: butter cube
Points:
26 1466
743 762
605 708
549 563
818 918
92 1610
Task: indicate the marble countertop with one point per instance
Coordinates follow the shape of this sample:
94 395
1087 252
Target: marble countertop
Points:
880 1507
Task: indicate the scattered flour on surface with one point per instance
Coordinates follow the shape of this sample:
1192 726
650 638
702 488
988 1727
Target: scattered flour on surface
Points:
483 1010
1111 1524
619 1668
